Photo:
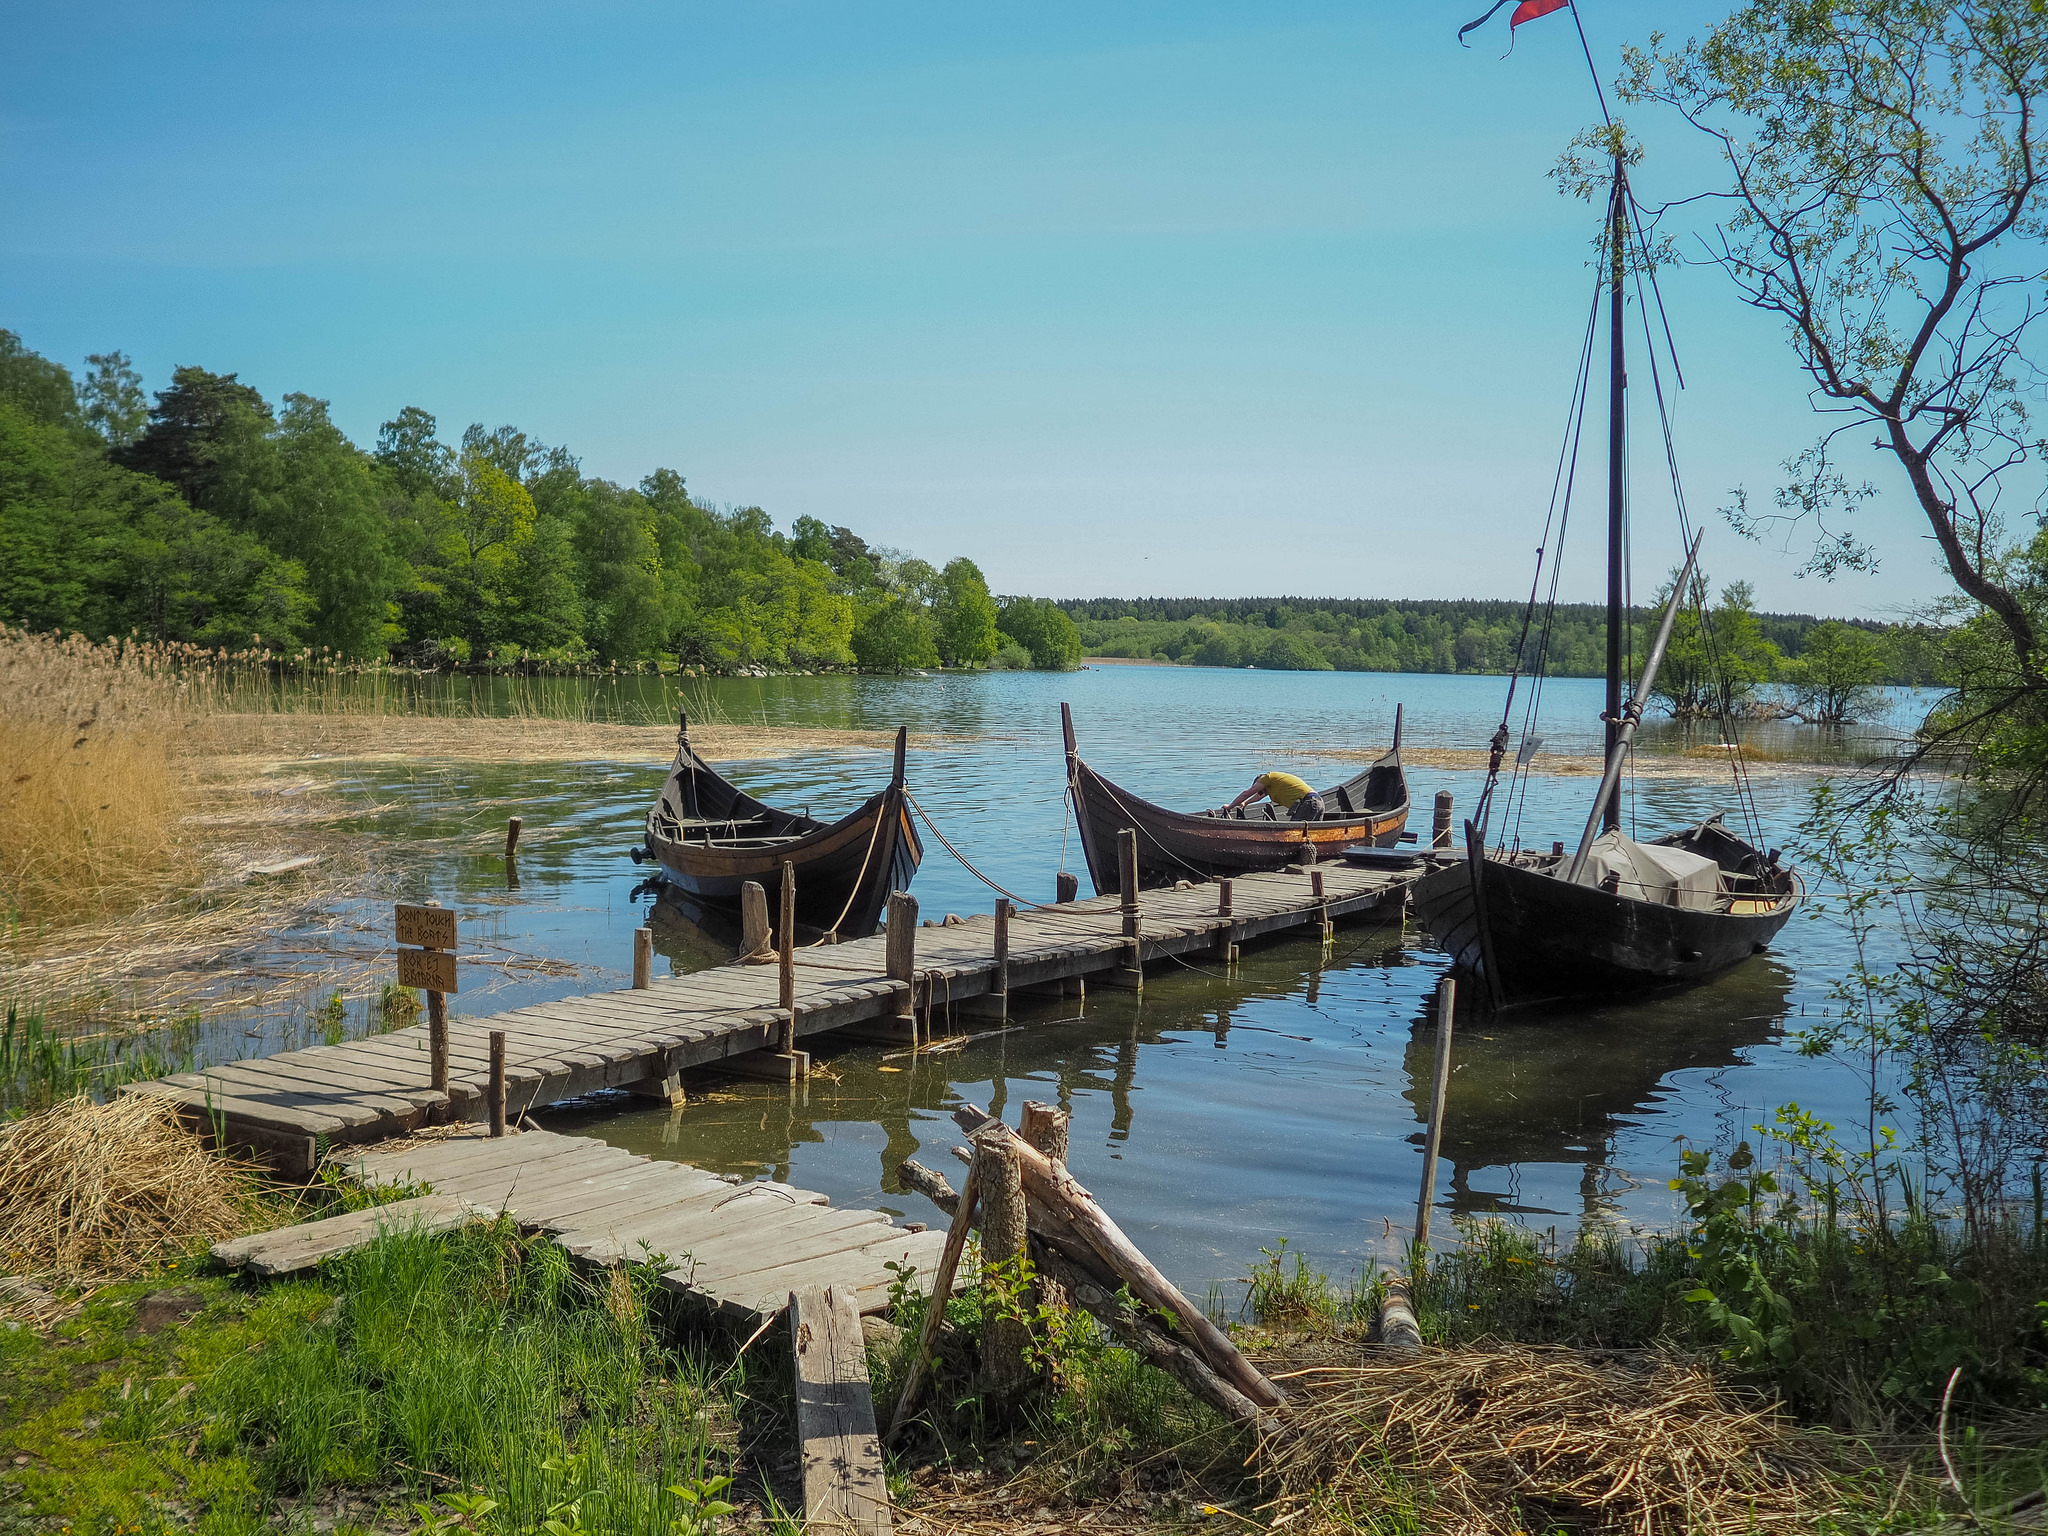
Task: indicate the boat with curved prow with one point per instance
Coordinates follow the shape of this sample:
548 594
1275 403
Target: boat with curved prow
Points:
711 837
1370 810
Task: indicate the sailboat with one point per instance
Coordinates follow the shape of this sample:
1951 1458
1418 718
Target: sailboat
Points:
1615 915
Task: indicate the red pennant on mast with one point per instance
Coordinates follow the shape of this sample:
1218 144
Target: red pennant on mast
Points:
1527 10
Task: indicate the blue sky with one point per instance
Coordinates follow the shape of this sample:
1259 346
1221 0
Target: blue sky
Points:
1146 299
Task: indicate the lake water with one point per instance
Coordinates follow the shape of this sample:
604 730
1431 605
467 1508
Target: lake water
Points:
1213 1116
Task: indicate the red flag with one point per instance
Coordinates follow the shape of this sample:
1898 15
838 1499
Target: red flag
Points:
1528 10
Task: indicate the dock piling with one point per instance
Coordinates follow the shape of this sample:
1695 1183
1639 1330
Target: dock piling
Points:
1446 998
1127 878
1001 1176
497 1085
999 983
753 918
786 934
1067 886
643 958
901 953
1440 830
512 837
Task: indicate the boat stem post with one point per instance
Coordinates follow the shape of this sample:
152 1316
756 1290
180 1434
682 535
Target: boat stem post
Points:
497 1087
643 958
901 951
1440 831
1446 1000
754 933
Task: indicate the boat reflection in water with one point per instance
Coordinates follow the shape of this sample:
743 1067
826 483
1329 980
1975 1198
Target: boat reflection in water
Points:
1557 1087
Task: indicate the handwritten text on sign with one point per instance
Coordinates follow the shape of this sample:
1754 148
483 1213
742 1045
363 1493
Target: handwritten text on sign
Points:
428 927
430 969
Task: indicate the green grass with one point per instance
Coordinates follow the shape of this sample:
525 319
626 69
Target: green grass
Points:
451 1372
39 1065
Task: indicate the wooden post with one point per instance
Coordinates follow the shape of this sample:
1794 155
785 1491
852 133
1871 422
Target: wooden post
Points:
999 982
1127 878
786 933
512 837
1315 889
497 1088
754 933
942 1290
1440 830
846 1487
437 1041
643 958
901 951
1067 886
1446 997
1223 949
1003 1339
1044 1126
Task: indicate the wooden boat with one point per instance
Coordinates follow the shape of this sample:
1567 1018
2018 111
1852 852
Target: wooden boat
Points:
711 837
1371 809
1615 916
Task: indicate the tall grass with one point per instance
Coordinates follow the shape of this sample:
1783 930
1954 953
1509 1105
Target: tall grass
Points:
481 1367
41 1066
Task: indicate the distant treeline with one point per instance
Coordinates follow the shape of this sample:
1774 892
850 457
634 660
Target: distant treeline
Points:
212 516
1391 635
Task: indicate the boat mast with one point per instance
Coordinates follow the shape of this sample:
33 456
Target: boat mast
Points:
1617 474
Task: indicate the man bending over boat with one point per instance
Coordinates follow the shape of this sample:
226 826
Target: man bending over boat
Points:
1292 795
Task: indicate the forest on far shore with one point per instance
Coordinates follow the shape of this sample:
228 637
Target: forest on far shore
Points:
1458 635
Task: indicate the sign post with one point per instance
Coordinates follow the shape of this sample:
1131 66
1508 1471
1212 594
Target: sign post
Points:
431 968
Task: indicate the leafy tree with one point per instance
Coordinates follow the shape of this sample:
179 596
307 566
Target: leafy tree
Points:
1885 180
493 515
895 637
1042 628
206 436
964 615
323 504
810 539
1716 658
110 398
419 463
536 605
620 574
34 385
1833 673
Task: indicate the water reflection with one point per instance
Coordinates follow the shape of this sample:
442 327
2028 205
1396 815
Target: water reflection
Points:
1559 1087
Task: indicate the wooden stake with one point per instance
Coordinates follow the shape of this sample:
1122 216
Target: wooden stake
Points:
901 951
754 933
999 982
786 932
1315 884
497 1088
1044 1127
1067 886
999 1162
512 837
1440 830
942 1290
643 958
1446 997
1127 878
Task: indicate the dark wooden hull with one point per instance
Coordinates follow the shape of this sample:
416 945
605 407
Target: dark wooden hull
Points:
1177 845
1527 936
710 838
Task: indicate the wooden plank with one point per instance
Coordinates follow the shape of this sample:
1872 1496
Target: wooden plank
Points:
845 1486
458 1155
289 1249
261 1113
822 1231
864 1272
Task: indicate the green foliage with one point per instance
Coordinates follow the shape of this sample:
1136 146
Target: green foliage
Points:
1377 635
1041 627
41 1063
1716 657
1832 677
212 518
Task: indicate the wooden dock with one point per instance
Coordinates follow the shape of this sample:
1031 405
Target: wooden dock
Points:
739 1247
293 1107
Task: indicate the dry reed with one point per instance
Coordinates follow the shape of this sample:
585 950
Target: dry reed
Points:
1497 1438
101 1191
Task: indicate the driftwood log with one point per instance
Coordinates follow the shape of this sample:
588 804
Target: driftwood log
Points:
1140 1331
1049 1186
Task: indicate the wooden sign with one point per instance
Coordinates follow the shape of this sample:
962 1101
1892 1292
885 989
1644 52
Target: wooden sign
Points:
432 970
428 927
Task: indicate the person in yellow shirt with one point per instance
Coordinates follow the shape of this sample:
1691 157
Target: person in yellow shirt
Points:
1292 795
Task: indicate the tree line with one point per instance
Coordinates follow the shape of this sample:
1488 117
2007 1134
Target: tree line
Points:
1466 635
215 517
